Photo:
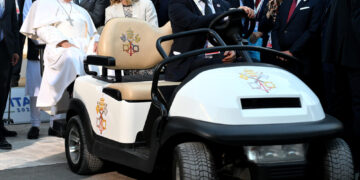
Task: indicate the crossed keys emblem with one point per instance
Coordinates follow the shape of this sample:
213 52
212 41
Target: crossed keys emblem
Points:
130 40
101 111
258 80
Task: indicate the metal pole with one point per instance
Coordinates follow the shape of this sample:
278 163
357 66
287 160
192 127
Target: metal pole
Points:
9 120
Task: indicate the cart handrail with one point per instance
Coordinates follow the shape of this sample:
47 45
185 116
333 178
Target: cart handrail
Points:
186 33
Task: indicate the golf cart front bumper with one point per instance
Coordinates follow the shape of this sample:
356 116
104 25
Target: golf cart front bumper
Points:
267 134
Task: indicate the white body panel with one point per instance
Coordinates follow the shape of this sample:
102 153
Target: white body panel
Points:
123 119
214 96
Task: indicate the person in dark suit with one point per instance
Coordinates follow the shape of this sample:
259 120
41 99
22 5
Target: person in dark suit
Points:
17 68
238 3
259 37
341 49
162 11
258 5
188 15
96 9
9 56
267 20
297 33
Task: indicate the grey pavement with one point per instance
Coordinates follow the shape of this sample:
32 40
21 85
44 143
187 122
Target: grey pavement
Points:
29 153
55 172
43 158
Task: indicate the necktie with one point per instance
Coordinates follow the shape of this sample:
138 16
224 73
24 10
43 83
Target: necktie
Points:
257 2
292 9
208 10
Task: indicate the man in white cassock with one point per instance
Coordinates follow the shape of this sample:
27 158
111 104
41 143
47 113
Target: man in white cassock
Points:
69 35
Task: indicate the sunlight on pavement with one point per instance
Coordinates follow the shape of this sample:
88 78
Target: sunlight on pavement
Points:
29 153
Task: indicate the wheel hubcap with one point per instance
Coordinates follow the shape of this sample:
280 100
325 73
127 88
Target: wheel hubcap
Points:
74 145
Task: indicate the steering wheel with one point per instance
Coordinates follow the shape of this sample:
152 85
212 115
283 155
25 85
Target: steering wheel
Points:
233 26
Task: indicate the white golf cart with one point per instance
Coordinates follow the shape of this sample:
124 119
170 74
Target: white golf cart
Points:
228 121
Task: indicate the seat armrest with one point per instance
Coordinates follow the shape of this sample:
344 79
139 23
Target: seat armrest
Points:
100 60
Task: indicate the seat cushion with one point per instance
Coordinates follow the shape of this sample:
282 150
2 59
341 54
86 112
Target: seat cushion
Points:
137 91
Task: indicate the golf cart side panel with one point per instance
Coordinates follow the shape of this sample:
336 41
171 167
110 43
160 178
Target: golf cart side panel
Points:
125 154
110 118
219 95
239 135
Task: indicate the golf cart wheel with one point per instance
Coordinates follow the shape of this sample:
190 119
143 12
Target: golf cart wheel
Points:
78 157
193 161
338 164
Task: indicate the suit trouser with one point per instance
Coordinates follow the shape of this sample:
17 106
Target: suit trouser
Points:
344 103
354 79
344 98
5 76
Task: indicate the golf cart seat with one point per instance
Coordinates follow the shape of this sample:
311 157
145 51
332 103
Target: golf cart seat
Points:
138 91
131 42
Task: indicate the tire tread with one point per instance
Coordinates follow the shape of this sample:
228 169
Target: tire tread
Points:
338 164
89 163
196 161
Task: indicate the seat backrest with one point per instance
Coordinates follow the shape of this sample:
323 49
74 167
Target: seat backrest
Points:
132 42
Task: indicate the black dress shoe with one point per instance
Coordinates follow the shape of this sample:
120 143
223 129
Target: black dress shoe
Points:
33 133
52 132
8 133
4 144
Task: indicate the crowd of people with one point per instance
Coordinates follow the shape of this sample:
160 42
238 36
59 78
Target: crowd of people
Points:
324 35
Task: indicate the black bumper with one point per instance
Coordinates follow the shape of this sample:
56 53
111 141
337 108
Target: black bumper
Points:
253 134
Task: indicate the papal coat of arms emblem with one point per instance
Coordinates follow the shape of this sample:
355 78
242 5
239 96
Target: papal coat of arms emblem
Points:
131 41
258 80
101 111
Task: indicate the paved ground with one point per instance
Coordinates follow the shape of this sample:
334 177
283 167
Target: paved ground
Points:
43 158
55 172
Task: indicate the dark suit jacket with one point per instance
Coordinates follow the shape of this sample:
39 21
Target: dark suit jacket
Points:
250 4
184 16
21 7
236 3
162 11
96 9
301 34
342 34
264 25
9 24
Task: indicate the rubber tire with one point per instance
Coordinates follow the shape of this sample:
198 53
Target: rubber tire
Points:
88 163
195 162
338 163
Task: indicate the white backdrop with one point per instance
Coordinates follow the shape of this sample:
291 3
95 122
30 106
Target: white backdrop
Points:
20 107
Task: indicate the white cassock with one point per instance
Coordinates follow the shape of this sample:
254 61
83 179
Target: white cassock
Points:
54 21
